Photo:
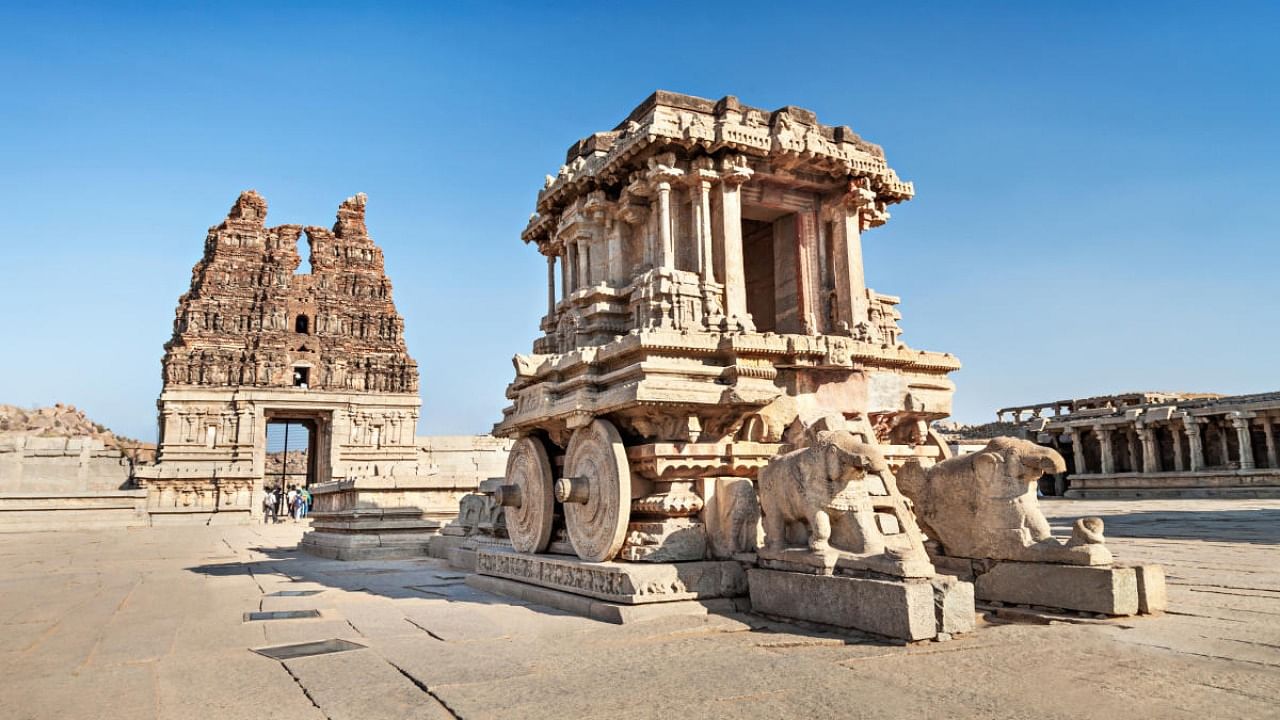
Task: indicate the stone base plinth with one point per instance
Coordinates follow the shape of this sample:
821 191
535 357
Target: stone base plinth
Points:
1104 590
32 512
198 516
365 545
916 609
610 612
618 582
1220 483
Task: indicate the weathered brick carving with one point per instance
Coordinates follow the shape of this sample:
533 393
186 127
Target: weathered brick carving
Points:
250 320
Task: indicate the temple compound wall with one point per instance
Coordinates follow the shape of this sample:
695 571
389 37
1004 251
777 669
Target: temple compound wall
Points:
57 482
1161 444
256 342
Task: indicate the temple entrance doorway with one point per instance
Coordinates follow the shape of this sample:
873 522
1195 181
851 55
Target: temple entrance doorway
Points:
290 459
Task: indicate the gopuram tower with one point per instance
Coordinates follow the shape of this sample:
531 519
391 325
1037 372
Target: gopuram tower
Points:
256 342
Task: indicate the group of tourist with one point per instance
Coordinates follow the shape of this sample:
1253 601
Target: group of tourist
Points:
279 503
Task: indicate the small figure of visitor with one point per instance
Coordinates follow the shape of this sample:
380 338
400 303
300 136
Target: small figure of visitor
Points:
292 507
269 505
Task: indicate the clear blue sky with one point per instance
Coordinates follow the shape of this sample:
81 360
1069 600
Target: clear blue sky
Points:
1096 182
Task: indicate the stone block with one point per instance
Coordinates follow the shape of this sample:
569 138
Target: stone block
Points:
1153 597
901 609
953 605
1106 590
624 583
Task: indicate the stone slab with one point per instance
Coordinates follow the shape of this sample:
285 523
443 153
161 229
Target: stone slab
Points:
609 612
1106 590
1153 597
901 609
953 605
623 583
364 546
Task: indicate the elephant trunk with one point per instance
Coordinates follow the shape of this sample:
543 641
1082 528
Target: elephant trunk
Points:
1048 460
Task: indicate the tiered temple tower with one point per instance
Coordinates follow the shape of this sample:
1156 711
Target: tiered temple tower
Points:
255 342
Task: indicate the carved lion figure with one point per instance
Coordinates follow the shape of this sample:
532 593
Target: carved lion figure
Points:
983 505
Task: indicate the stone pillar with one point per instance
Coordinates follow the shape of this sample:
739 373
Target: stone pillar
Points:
1226 444
700 184
584 261
1244 438
569 268
1077 450
850 281
617 265
666 249
1150 454
1178 464
1271 441
1104 442
808 277
1132 436
551 285
1194 445
734 172
662 172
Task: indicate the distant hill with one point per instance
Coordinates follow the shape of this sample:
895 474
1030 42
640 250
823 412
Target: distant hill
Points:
959 431
62 421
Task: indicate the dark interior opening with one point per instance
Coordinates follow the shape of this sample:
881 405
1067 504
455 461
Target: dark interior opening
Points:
302 324
301 376
758 266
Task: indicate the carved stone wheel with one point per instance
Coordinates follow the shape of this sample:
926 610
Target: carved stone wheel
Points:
597 490
526 496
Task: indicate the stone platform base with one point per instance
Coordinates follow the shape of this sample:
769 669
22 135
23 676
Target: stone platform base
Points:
917 609
34 512
615 582
365 546
616 613
1105 590
1220 483
199 516
460 551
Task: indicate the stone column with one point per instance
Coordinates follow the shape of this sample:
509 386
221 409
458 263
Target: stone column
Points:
614 227
1271 441
700 184
1132 436
1226 444
734 172
662 172
584 261
1077 450
1192 426
1245 438
850 280
569 267
1104 442
1150 456
808 276
1178 464
551 285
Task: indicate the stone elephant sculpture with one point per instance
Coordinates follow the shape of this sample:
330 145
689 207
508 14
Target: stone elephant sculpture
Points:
809 485
983 505
835 505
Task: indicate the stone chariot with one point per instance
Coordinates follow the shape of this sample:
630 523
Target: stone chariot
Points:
711 314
